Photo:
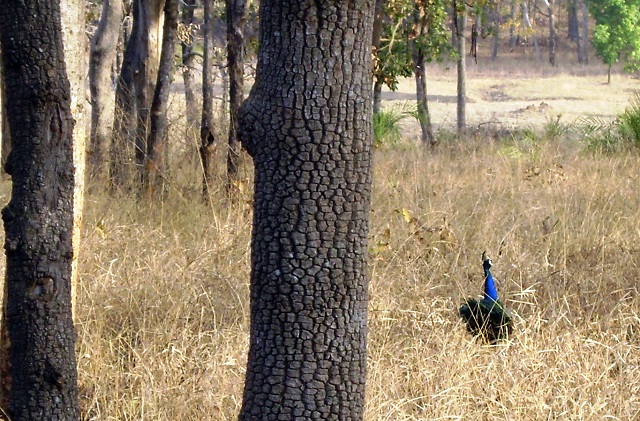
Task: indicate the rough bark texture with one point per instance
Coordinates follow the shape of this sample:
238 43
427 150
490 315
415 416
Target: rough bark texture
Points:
154 172
307 125
39 217
207 138
235 64
101 59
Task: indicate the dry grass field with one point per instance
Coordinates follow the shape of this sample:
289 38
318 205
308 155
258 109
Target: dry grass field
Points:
163 306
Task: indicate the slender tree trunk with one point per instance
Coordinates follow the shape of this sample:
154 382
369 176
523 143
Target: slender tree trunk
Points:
419 69
154 171
513 40
572 20
235 64
495 12
207 138
583 56
377 96
101 59
423 105
552 32
376 35
460 16
307 126
188 67
40 380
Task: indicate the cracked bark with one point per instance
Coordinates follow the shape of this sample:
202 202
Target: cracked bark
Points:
307 126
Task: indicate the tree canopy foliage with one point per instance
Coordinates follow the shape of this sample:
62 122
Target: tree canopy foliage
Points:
617 32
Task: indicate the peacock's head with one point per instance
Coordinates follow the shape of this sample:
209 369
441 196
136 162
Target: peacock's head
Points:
486 261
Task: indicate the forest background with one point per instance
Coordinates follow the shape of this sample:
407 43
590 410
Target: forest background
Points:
544 177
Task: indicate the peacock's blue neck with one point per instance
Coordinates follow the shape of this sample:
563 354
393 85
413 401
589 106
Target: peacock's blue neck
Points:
490 290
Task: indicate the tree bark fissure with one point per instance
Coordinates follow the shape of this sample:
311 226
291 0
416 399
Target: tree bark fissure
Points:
307 125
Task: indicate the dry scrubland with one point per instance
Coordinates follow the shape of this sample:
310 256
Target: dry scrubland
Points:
163 305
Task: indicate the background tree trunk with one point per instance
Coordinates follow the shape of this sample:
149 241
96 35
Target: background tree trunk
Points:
133 92
38 324
307 125
151 14
420 73
573 32
552 32
188 69
376 35
460 20
207 138
495 15
154 171
235 64
526 22
101 59
583 56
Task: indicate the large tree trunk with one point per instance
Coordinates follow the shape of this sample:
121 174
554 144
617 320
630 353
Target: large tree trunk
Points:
307 125
41 378
101 60
207 138
154 171
235 64
460 21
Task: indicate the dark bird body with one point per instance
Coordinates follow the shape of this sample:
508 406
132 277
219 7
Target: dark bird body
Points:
487 317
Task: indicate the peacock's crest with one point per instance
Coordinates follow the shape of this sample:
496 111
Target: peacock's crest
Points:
487 317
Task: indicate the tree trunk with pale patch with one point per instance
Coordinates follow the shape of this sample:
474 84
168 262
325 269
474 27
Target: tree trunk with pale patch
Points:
307 126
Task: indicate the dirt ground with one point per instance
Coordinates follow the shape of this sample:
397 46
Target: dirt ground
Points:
518 97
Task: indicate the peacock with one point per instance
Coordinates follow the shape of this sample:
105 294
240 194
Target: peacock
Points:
487 317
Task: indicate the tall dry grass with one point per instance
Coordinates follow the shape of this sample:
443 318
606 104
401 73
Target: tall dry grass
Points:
163 306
